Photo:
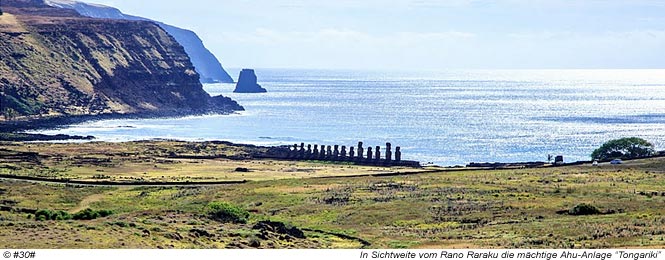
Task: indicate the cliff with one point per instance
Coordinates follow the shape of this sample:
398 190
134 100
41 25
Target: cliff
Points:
204 61
247 83
54 62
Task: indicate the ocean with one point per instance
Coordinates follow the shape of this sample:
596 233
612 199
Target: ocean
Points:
444 117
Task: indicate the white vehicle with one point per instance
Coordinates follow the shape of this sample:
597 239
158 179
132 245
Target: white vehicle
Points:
616 161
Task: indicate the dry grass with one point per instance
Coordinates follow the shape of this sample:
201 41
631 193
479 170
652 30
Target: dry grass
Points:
154 162
471 209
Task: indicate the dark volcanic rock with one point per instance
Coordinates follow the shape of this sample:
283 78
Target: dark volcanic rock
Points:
206 64
279 228
197 233
23 137
247 83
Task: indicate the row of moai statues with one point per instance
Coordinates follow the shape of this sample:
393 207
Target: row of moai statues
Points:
334 153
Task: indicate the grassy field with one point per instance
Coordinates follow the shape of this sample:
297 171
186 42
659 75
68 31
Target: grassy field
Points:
523 208
163 161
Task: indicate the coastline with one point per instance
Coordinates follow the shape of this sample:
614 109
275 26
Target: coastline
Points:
15 130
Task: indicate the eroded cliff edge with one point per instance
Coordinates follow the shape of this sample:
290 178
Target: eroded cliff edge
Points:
205 63
54 62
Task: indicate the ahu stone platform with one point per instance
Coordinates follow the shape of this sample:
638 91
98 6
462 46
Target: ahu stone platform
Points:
340 153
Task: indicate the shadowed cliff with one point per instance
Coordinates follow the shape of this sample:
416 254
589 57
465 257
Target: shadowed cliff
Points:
205 63
54 62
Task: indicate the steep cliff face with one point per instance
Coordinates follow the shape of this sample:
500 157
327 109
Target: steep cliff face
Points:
204 61
54 62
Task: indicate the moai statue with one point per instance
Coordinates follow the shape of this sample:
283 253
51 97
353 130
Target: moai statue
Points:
293 153
398 154
308 153
369 153
301 153
389 153
336 152
360 150
352 154
329 152
315 153
343 152
377 153
322 155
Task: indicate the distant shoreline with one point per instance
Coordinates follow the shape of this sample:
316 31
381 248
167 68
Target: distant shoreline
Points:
61 121
15 130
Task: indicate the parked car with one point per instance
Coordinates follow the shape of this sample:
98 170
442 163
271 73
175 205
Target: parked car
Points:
616 161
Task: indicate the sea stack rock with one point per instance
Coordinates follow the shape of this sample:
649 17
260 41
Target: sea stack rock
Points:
247 83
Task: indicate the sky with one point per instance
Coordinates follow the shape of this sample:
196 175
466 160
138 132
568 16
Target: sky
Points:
420 34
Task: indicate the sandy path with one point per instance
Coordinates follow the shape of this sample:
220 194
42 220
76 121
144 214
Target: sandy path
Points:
85 203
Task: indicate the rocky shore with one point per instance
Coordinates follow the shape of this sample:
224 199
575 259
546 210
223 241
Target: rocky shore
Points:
14 130
25 137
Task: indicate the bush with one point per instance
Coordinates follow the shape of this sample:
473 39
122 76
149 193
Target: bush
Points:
226 212
90 214
624 148
105 213
45 214
583 209
86 214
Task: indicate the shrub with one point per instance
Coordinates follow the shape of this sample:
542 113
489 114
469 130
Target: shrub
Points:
105 213
624 148
62 215
90 214
86 214
120 224
583 209
227 212
45 214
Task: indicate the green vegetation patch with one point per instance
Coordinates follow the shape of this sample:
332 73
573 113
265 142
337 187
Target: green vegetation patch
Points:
226 212
624 148
86 214
89 214
45 214
14 105
584 209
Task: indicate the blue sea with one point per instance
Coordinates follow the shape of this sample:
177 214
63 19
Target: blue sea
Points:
445 117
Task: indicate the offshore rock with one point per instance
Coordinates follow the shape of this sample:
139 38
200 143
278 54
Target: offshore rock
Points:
247 83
